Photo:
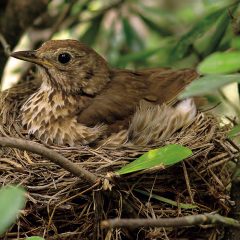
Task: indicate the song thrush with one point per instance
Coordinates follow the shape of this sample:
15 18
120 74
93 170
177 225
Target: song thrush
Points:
82 98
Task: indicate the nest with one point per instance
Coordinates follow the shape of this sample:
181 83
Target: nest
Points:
61 206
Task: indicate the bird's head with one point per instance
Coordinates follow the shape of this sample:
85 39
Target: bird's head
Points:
69 65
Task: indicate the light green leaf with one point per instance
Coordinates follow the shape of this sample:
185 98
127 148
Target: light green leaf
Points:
167 200
35 238
182 47
234 131
220 62
207 84
235 43
164 156
12 200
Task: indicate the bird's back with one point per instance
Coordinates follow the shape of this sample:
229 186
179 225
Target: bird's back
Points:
123 93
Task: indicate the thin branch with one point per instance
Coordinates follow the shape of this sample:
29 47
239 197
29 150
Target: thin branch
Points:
5 45
66 200
53 156
57 25
187 182
72 21
16 18
203 219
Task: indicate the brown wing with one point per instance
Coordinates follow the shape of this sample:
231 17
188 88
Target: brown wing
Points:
164 87
119 99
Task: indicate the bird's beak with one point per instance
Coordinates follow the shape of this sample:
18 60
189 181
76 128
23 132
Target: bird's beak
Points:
30 56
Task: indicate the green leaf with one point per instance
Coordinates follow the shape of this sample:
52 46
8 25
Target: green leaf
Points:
218 34
220 62
144 54
92 31
164 156
167 200
184 44
235 43
155 27
234 131
163 13
207 84
35 238
12 200
132 38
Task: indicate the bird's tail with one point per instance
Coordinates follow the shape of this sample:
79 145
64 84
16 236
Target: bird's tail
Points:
153 123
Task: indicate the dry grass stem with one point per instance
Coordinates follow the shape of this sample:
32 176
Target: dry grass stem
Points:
63 206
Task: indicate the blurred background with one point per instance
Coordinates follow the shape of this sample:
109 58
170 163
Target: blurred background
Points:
131 34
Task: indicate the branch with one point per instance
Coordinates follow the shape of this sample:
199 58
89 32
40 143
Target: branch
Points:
203 219
53 156
14 21
5 45
63 162
79 20
62 16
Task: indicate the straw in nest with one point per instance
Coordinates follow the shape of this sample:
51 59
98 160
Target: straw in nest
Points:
62 206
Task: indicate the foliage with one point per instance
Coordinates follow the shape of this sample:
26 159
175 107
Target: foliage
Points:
12 200
220 62
208 84
168 201
161 157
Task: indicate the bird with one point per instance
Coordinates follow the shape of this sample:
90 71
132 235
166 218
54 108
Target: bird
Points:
83 99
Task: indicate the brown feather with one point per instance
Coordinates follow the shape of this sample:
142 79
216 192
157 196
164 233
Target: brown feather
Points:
126 88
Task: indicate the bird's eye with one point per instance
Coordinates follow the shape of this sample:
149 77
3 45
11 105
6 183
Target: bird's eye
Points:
64 58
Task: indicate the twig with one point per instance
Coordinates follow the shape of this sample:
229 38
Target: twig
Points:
53 156
98 13
66 200
55 28
102 11
60 160
16 18
5 45
187 182
203 219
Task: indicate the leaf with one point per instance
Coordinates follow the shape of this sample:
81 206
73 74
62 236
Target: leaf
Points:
12 200
35 238
218 34
167 200
91 33
155 27
78 7
132 38
235 43
165 156
144 54
159 12
234 131
207 84
220 62
184 44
